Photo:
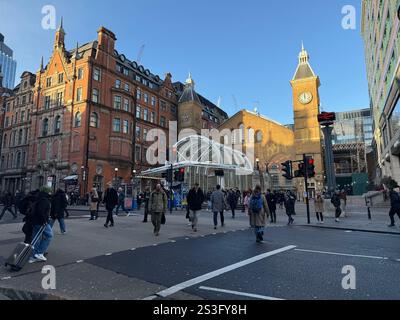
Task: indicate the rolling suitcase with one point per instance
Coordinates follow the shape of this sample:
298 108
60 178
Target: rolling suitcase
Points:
23 252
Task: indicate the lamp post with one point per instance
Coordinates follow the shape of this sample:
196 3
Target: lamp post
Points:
116 176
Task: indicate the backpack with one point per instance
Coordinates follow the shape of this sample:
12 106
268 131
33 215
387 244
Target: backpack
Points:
256 204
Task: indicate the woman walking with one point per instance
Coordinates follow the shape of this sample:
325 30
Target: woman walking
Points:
259 212
290 203
319 208
94 200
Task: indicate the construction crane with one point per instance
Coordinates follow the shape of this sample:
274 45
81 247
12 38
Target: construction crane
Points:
140 54
236 103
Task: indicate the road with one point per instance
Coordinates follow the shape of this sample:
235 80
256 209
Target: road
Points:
128 262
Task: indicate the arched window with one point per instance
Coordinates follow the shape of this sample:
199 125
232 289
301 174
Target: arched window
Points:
5 140
18 160
250 134
259 136
11 164
43 151
57 125
45 127
241 133
20 137
94 120
3 159
78 120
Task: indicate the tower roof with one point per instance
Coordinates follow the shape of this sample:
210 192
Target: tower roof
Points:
189 94
304 69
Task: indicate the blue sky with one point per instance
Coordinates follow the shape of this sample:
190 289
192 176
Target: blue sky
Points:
232 48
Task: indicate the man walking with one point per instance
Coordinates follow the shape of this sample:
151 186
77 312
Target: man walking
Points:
110 200
271 200
259 212
290 203
232 201
336 203
121 201
39 217
158 207
8 205
394 206
58 206
217 199
195 200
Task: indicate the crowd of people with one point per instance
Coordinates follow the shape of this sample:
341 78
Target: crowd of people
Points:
41 209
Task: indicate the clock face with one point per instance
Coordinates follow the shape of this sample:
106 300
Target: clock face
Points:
185 118
305 97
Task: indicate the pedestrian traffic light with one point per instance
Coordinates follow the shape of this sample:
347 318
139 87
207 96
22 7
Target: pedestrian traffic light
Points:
310 167
287 170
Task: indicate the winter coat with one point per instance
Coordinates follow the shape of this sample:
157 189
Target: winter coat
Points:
217 201
8 200
271 200
259 219
394 199
41 210
195 199
158 202
290 202
232 200
58 205
336 200
110 198
319 204
94 199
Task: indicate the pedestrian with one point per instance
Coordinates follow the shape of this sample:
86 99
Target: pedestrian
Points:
40 217
319 208
68 203
58 205
271 200
336 203
146 198
195 201
26 207
121 201
100 194
259 212
232 201
343 198
290 203
158 206
94 201
394 206
8 205
18 197
110 200
217 200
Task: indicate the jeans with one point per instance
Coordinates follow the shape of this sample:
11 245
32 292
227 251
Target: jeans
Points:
146 211
43 244
121 205
193 218
338 212
61 223
7 208
320 217
156 220
273 216
216 218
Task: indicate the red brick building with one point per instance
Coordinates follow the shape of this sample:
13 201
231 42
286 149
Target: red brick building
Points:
84 126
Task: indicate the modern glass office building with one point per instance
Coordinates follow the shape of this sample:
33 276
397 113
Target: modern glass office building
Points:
8 66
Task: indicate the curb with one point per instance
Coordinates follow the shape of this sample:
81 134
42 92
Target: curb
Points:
352 229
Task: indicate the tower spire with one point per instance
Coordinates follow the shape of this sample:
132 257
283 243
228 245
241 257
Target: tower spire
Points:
41 64
303 56
60 35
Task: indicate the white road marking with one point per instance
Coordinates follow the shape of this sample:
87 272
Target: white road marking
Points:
79 261
150 298
108 254
133 249
6 278
238 293
343 254
179 287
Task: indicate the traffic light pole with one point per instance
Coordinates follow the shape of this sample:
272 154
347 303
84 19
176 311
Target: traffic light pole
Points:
306 184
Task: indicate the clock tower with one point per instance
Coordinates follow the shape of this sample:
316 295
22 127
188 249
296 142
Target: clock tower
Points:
307 131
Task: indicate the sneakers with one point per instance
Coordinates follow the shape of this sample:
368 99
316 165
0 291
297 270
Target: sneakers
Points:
391 225
337 220
37 258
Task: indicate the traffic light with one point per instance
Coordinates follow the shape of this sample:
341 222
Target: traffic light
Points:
287 169
179 175
310 167
300 173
